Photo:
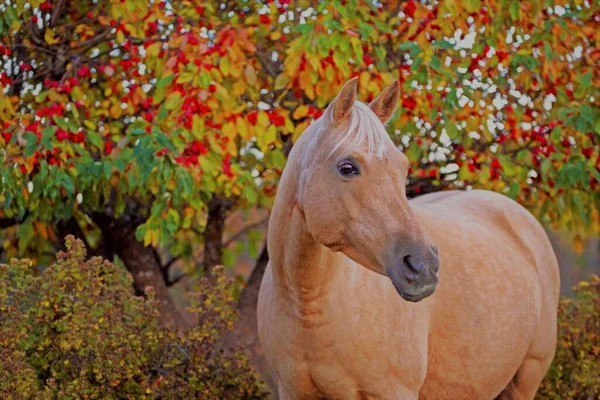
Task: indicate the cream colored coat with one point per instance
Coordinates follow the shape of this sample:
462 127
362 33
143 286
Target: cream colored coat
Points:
334 326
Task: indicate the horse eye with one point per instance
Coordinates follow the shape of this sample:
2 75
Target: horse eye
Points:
347 168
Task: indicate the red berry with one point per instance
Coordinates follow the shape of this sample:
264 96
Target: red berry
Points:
253 117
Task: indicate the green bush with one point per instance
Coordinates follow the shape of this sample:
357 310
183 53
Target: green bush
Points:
575 372
76 331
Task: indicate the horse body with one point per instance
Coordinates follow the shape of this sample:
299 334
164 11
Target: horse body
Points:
332 328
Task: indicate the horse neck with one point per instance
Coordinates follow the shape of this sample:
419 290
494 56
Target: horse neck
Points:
303 269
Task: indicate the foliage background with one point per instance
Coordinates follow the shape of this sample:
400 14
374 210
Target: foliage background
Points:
76 331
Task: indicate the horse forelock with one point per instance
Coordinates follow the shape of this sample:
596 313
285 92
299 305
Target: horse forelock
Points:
364 127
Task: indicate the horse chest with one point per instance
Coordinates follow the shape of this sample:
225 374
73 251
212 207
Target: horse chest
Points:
341 352
320 365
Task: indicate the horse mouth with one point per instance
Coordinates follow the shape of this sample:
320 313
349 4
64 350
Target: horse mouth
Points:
415 297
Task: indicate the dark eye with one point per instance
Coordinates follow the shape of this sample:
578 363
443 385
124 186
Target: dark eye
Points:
347 169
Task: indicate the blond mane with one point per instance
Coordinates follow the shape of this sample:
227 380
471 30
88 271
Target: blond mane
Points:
364 126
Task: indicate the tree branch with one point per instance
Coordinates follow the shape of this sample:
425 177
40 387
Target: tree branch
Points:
245 230
10 222
56 12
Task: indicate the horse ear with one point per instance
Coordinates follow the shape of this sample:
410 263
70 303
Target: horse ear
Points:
385 104
344 101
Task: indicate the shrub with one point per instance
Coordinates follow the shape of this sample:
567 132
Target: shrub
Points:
575 372
76 330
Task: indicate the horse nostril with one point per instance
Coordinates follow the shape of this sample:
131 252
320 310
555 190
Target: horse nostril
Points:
414 268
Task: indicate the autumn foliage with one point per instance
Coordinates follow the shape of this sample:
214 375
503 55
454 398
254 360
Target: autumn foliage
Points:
167 104
77 331
574 373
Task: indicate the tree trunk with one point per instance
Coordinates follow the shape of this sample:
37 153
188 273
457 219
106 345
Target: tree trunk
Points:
144 265
218 209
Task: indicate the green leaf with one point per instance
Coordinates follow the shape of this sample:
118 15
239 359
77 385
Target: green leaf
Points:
31 144
228 258
556 134
408 46
514 10
515 188
278 159
508 166
95 139
473 5
451 97
61 122
443 44
587 112
107 169
451 130
205 79
173 101
435 63
250 194
68 183
546 166
162 113
162 82
47 136
585 79
140 232
548 53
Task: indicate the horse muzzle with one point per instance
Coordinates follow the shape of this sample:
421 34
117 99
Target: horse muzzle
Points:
415 277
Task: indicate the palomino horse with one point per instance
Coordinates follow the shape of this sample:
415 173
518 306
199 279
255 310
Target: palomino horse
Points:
350 306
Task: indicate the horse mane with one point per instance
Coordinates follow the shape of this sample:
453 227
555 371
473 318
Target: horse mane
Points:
364 126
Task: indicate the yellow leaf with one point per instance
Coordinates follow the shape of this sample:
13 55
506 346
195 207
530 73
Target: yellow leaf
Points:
239 87
229 129
281 81
300 112
307 85
225 66
289 126
149 237
292 64
329 73
216 75
236 69
235 53
49 37
185 77
242 128
120 36
131 29
262 119
271 134
250 74
154 49
115 111
173 101
314 61
197 126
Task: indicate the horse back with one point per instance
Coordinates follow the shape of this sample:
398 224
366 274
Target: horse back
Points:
499 286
